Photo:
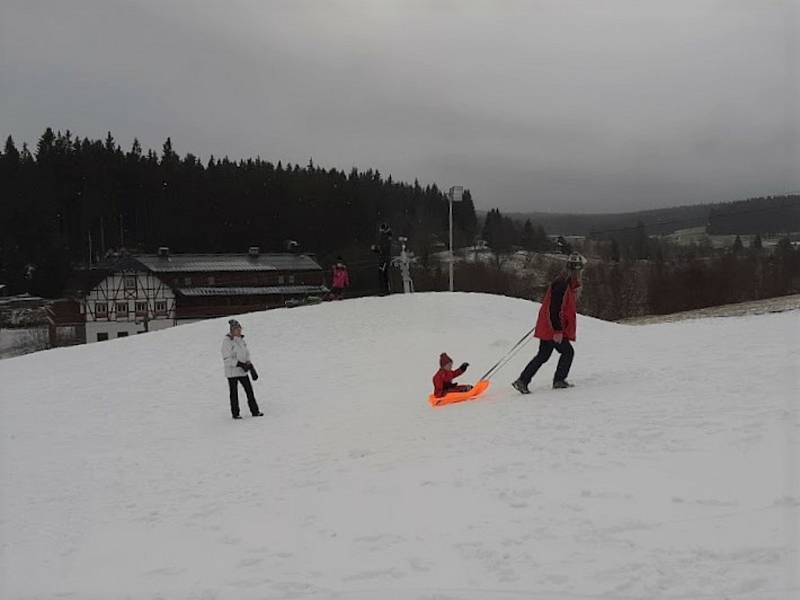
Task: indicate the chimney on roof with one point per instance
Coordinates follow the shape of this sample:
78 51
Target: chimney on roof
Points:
163 252
253 251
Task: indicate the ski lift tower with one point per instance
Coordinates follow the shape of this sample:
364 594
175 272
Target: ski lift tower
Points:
454 194
404 262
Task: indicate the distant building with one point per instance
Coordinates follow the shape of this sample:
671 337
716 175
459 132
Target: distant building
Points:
114 299
215 285
23 324
133 294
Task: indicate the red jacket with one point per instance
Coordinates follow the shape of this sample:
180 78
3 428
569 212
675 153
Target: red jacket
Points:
341 278
558 313
442 378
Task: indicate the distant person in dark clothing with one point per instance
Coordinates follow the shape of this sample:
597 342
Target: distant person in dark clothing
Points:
556 326
384 251
236 358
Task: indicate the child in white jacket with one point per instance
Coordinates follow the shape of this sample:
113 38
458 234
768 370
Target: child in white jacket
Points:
236 358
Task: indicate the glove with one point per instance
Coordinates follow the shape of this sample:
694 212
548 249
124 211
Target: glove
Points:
253 372
464 366
558 337
242 365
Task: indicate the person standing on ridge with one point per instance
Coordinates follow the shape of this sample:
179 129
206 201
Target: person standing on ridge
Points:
556 326
236 358
340 279
384 251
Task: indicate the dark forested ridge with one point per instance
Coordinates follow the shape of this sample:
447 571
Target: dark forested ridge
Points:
765 215
773 215
73 193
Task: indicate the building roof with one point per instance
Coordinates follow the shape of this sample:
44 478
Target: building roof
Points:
185 263
253 291
82 281
22 300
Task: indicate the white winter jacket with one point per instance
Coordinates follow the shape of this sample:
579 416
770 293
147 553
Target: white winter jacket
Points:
234 350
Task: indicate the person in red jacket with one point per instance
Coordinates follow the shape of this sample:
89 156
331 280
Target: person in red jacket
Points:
443 380
555 326
340 279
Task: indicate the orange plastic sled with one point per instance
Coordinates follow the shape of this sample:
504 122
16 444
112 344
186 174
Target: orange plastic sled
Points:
454 397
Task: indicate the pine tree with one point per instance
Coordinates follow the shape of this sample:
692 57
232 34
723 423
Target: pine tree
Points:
615 254
737 247
110 145
44 146
527 240
10 152
640 244
168 155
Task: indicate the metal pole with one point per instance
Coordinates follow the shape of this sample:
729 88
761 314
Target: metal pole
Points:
452 255
404 268
455 196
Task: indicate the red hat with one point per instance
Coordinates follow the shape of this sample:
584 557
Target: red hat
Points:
444 359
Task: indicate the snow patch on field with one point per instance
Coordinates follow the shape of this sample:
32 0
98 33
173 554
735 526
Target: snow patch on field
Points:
739 309
670 471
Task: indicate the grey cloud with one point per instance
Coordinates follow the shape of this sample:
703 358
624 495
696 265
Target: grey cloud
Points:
542 105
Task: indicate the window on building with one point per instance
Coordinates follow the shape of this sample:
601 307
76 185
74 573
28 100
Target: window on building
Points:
130 282
187 281
102 336
141 308
281 280
291 279
101 310
161 307
122 334
122 310
211 280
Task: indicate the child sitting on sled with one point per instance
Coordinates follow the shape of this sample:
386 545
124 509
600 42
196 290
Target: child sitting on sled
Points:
443 380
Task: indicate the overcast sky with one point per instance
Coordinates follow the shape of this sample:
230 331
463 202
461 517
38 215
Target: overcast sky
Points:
553 105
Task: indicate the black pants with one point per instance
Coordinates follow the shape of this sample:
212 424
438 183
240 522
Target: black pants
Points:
546 348
248 389
383 277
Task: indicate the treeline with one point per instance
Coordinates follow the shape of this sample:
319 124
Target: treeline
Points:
629 289
503 233
73 199
769 215
618 290
764 215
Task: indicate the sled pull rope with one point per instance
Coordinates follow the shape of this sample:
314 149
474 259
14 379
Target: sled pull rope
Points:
508 355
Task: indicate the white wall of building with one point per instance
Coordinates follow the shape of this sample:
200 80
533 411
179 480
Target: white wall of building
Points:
112 329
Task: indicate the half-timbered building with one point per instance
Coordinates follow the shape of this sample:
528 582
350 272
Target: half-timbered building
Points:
121 298
132 294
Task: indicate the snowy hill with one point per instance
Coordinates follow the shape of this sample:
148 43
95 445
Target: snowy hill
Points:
670 471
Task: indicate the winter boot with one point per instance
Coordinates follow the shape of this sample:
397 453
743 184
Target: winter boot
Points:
259 414
521 387
562 385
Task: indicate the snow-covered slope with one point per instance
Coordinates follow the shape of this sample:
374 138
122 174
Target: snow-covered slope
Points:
670 471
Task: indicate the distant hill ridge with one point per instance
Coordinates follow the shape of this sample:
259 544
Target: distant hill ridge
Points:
765 215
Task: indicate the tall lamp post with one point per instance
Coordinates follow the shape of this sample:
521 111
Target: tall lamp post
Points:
455 196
